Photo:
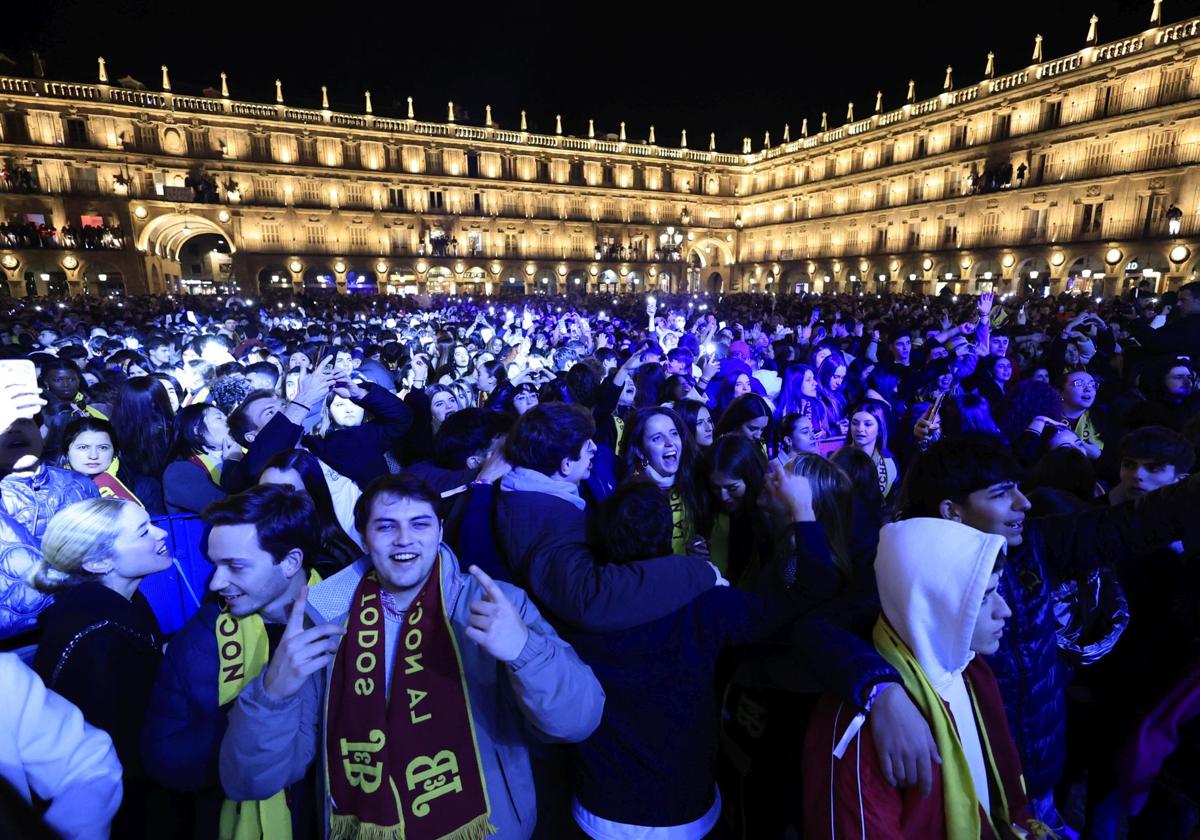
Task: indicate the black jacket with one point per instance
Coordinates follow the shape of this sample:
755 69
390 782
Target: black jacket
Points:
543 543
102 652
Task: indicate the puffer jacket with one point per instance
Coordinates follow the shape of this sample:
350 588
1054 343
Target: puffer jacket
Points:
1028 665
20 603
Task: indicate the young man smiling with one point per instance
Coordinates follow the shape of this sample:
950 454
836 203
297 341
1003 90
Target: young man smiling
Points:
974 482
258 542
435 678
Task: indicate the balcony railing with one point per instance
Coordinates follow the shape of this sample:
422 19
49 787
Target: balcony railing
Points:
1115 163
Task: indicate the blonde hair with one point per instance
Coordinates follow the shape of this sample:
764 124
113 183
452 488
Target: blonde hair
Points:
78 533
833 502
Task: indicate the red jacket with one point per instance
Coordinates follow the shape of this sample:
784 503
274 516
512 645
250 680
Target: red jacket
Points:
850 798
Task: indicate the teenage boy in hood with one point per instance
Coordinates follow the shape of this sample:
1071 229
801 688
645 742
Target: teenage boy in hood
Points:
938 586
974 482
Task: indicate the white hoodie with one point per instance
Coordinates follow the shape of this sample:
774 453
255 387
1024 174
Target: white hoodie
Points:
932 575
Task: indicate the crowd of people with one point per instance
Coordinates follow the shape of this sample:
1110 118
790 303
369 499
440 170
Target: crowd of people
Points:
24 233
612 567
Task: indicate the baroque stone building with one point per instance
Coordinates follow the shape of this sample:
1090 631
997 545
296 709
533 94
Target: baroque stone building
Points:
1077 173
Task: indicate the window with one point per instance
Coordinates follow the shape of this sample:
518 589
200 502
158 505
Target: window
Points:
1091 217
354 195
264 190
1035 224
77 132
85 180
1001 126
477 203
881 239
919 149
260 147
512 245
437 200
1162 149
315 234
358 236
991 227
270 234
950 230
914 237
1174 85
311 192
395 198
1051 115
1097 158
958 136
308 151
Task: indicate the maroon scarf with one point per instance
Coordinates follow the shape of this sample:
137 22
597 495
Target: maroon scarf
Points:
403 766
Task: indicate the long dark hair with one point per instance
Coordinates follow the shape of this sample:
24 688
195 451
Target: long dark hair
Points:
742 410
689 410
739 457
695 501
189 430
334 540
143 420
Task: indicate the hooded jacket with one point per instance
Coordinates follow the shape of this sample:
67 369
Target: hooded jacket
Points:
932 576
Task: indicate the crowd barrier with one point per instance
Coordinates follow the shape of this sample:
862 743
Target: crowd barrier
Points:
175 593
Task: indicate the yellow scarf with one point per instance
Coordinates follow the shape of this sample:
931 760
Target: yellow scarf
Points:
1087 431
210 464
958 787
620 424
243 651
681 531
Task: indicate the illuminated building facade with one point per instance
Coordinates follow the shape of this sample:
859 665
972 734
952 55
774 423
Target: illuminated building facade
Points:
1078 173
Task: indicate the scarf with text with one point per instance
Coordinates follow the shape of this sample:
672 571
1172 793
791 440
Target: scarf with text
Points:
405 765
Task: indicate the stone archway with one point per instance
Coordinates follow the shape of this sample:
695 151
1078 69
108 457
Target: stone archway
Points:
713 252
164 236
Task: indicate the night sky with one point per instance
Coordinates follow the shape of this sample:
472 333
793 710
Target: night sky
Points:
677 65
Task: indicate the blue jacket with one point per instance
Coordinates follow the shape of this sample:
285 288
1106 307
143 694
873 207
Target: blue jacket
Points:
27 503
181 740
20 603
1032 674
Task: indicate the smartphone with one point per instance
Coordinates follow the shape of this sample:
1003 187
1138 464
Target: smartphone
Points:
721 325
933 410
20 373
191 317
